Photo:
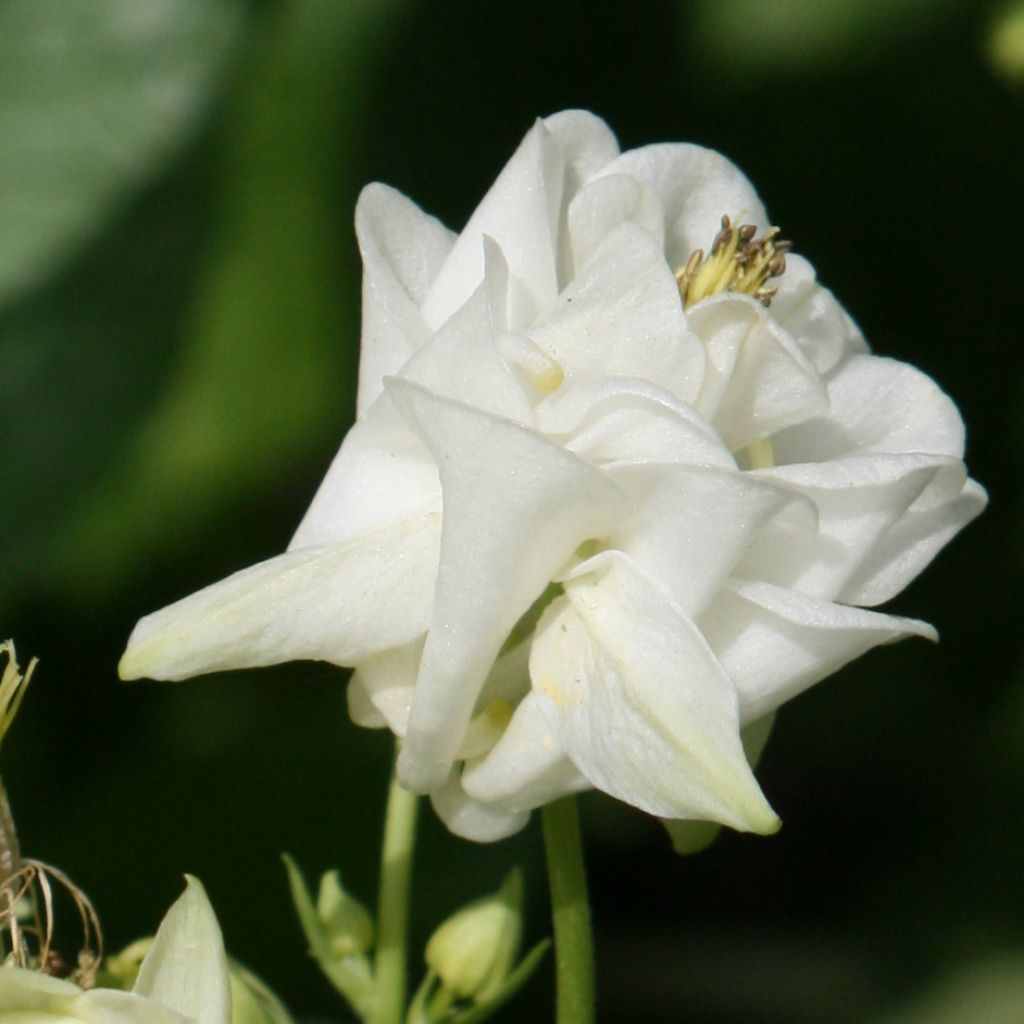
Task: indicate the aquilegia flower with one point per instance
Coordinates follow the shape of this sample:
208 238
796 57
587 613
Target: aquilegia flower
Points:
182 980
624 479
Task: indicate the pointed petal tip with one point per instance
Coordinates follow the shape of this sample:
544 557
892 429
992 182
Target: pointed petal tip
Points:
142 655
758 817
128 668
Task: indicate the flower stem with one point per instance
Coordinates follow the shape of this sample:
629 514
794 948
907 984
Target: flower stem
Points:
570 910
393 905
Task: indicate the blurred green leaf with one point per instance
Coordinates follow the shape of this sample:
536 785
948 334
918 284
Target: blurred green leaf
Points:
746 39
93 96
1006 43
989 992
267 361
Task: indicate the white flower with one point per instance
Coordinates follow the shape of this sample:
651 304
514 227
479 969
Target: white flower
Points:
592 519
182 980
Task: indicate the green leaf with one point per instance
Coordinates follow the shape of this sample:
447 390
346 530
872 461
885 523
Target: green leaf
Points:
746 40
266 364
990 991
94 95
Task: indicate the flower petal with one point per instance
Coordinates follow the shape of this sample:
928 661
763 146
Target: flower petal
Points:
522 212
471 819
622 317
909 545
859 500
876 405
527 767
462 360
605 203
24 990
695 187
690 525
776 643
640 703
515 509
403 249
186 968
380 690
109 1006
382 474
757 381
810 313
622 419
338 603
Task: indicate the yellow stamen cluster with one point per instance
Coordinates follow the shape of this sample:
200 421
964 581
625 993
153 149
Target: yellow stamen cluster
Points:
739 262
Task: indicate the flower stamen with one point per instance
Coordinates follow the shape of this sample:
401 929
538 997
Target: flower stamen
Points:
738 262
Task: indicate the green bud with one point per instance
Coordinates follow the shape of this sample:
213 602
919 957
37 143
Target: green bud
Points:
347 923
475 949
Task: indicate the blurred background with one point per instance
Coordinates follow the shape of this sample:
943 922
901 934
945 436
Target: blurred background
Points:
179 331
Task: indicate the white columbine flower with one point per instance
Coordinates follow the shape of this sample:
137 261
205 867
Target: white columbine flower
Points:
624 479
182 980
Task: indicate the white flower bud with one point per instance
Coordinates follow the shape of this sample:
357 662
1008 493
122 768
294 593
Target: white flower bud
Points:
474 950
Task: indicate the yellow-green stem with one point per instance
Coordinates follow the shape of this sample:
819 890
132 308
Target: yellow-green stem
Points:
393 904
570 911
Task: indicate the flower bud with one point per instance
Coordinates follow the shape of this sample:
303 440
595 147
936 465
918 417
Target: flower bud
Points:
474 950
347 923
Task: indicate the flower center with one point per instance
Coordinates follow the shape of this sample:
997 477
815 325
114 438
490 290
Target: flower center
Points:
738 262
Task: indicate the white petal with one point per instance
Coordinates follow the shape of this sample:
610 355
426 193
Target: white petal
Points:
859 500
690 525
695 187
776 643
605 203
622 316
640 703
402 249
884 469
587 144
811 314
463 362
186 969
522 212
757 381
383 473
105 1006
909 545
628 420
471 819
876 405
515 509
380 690
527 767
338 603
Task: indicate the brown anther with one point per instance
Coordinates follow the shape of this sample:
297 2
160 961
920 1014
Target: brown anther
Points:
692 264
738 261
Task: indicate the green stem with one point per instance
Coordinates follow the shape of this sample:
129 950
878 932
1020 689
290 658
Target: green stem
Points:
393 905
570 910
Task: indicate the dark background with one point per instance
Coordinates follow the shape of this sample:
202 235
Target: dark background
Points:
178 339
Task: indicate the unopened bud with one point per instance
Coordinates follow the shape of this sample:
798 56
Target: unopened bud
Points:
347 923
475 949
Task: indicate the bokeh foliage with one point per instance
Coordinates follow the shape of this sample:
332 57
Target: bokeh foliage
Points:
178 340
